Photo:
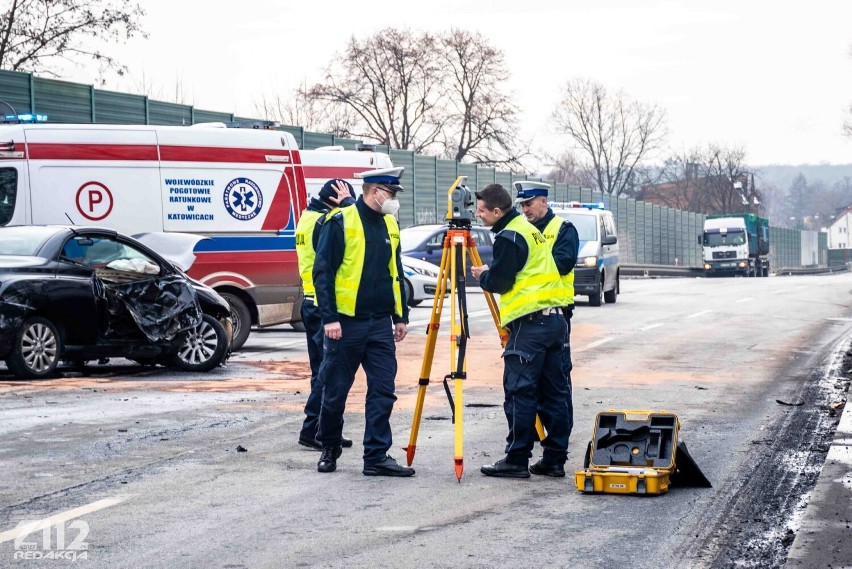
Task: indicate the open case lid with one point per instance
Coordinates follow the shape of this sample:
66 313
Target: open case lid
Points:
637 439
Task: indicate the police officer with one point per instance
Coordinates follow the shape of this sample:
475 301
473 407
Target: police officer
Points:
561 236
535 376
357 276
334 193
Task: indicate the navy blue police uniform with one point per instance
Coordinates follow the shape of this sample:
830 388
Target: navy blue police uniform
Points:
367 338
536 368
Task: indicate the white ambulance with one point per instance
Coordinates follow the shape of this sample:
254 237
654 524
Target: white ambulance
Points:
243 188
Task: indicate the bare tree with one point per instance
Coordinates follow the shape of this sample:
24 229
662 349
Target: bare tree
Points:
299 109
482 121
725 182
614 132
34 34
391 82
710 180
567 168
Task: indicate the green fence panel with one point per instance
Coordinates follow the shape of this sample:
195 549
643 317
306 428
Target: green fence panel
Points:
425 183
62 101
202 116
120 108
408 200
15 91
169 113
485 177
317 139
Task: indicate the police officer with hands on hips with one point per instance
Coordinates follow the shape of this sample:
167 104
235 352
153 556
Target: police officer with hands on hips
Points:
334 193
357 277
536 361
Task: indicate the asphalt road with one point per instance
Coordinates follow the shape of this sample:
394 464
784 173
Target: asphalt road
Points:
145 462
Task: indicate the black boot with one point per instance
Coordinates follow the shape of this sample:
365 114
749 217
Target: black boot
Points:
328 459
313 443
546 469
504 469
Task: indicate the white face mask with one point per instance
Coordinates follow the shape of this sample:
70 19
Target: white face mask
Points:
389 206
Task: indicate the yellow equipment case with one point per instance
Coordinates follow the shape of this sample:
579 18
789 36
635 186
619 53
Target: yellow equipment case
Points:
631 452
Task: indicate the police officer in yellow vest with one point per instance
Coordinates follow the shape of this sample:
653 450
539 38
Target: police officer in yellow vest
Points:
564 241
334 193
536 375
357 277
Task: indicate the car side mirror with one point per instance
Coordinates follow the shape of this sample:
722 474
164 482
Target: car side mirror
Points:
609 240
429 249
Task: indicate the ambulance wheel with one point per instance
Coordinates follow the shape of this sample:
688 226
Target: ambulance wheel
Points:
202 348
37 349
241 316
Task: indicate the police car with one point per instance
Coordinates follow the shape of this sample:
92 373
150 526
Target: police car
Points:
596 273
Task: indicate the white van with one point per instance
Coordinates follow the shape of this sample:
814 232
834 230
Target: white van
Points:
597 271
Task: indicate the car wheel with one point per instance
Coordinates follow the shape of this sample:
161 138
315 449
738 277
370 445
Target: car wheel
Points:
241 317
409 294
610 296
595 299
37 349
298 326
202 348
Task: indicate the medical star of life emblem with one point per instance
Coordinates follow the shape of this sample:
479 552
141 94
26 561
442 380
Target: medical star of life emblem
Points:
243 199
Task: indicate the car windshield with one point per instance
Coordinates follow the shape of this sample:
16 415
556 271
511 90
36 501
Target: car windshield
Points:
729 238
411 237
23 240
587 225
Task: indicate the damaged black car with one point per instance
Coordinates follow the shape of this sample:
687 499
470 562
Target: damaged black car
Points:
79 294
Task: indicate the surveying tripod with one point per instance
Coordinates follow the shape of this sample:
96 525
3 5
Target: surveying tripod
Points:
458 244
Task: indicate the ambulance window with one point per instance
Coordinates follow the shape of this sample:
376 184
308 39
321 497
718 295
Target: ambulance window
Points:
8 192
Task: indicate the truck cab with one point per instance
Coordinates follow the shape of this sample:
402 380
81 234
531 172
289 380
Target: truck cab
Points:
735 245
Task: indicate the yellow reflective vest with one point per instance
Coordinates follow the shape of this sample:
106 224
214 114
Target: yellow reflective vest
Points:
305 248
551 232
538 284
348 278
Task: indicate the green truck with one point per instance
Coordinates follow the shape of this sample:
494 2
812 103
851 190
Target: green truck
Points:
735 244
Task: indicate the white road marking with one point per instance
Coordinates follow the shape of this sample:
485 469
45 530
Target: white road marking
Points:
596 344
746 299
702 313
29 528
651 327
840 319
398 528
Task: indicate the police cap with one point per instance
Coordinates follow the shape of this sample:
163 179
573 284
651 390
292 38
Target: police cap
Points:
529 190
387 177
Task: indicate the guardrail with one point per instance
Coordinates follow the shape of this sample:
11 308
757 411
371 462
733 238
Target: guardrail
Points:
660 271
786 272
651 271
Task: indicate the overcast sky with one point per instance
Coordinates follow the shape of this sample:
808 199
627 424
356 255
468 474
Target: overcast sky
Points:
775 80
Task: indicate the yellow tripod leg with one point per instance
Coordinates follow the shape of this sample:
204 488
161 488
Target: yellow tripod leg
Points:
428 355
458 329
